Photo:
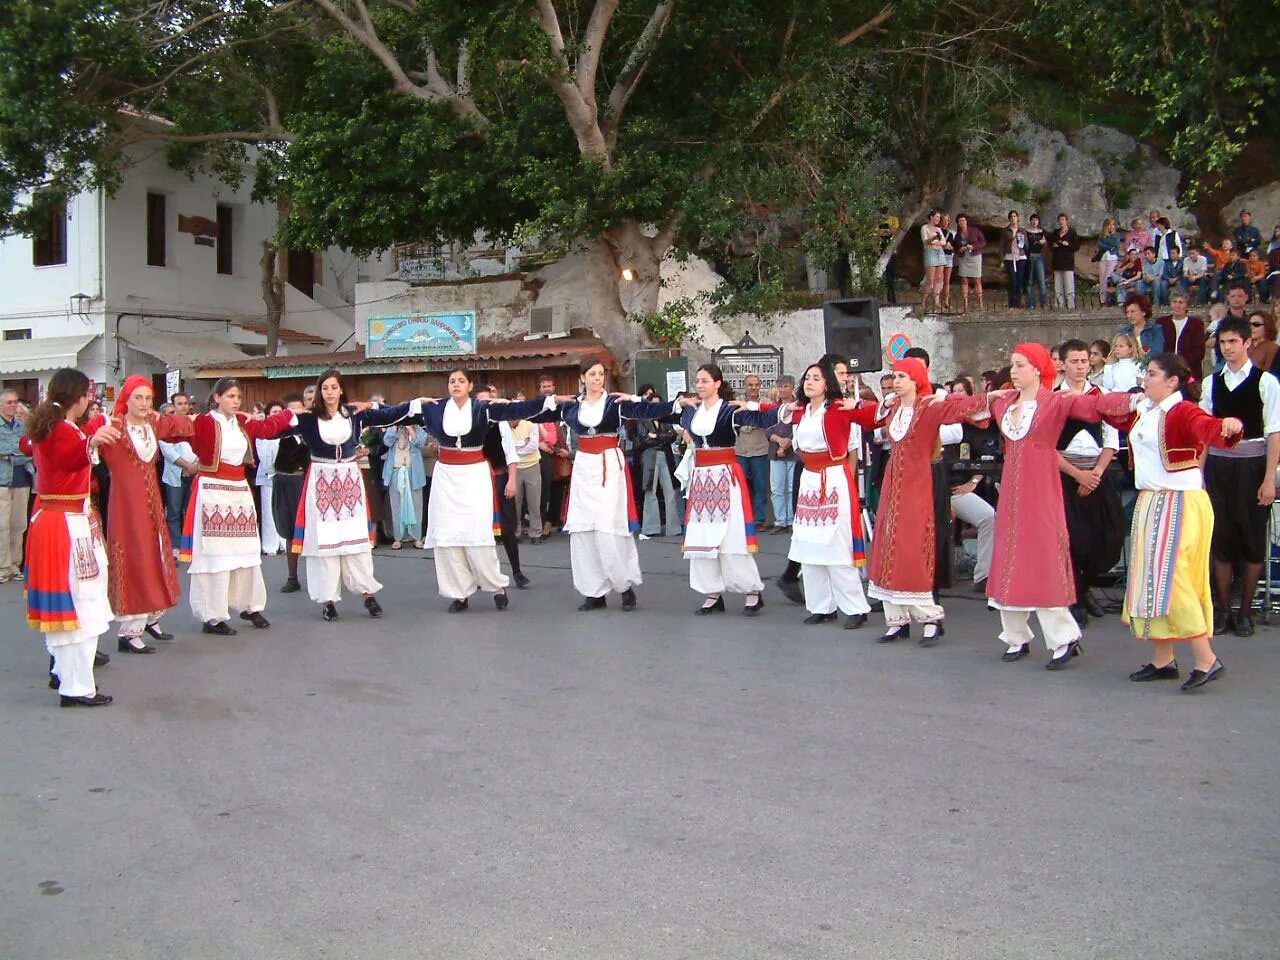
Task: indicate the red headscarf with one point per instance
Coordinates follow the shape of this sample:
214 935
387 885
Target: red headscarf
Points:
917 371
1039 358
122 398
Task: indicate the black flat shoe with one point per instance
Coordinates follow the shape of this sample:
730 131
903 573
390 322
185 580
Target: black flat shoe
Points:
1198 678
1222 623
256 618
1092 606
709 608
500 600
1009 656
1060 661
124 645
593 603
855 621
930 633
753 609
458 606
1151 672
97 700
629 599
155 633
329 611
791 589
373 606
54 682
100 659
1244 625
521 581
895 633
816 618
222 629
291 586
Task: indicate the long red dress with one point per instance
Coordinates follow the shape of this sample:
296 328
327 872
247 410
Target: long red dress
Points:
1031 566
142 575
904 549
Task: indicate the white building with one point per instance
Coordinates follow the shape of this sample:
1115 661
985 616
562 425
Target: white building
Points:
163 276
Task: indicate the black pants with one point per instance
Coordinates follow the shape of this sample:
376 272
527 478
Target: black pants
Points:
792 573
507 523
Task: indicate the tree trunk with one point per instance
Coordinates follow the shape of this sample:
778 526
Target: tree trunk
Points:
272 294
906 221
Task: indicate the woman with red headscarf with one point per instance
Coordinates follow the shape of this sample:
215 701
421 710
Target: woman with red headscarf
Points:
1031 572
143 579
905 543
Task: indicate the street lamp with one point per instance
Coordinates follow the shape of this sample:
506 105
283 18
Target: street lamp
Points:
80 305
628 274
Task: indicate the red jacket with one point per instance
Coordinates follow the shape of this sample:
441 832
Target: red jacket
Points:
1191 347
837 424
1187 431
206 437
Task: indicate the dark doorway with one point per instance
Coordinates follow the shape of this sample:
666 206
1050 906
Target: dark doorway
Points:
302 270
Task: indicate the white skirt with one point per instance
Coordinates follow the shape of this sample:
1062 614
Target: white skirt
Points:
460 510
224 526
598 494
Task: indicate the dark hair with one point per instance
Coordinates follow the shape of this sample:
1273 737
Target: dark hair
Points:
462 370
1033 216
1167 224
725 392
1148 249
1237 325
1102 345
1268 323
292 397
272 403
221 386
546 376
1237 285
1142 303
588 364
1072 346
317 402
964 384
919 353
1002 376
1061 215
65 390
645 388
1174 366
834 391
173 398
831 359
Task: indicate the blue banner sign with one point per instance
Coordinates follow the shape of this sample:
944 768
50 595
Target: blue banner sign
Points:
422 335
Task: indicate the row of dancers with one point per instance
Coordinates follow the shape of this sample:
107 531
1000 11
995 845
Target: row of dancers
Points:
77 581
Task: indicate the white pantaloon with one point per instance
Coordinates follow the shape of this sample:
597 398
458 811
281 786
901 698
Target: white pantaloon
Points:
272 542
461 571
727 573
326 576
828 588
214 595
972 509
1056 623
133 626
603 561
900 614
13 524
73 662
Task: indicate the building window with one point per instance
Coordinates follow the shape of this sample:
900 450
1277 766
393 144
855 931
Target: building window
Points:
155 230
224 240
20 333
49 242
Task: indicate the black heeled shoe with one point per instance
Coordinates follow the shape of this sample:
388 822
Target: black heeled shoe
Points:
593 603
97 700
373 606
1009 656
708 608
256 618
125 645
816 618
895 633
521 581
1061 660
1093 607
629 599
753 609
329 611
155 633
501 600
221 628
100 659
855 621
930 632
458 606
790 589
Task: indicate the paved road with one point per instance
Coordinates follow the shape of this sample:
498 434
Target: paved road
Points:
544 783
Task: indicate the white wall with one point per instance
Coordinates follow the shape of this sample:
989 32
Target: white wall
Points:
40 297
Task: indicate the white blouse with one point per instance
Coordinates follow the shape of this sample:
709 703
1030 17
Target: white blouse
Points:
143 439
1144 441
705 417
336 430
1015 426
234 442
809 435
901 422
457 420
589 414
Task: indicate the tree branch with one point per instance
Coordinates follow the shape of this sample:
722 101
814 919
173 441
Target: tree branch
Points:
550 24
592 46
581 114
867 27
246 136
634 67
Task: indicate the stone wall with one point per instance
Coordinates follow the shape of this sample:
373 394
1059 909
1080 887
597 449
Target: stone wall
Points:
984 343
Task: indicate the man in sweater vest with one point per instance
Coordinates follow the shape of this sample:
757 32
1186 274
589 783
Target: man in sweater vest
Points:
1241 481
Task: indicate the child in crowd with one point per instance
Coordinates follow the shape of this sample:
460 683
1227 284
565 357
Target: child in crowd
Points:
1122 370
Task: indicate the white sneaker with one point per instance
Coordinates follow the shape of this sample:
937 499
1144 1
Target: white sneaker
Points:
645 536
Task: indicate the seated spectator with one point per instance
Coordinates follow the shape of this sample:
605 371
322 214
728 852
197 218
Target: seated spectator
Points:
1262 344
1153 284
1256 270
1183 334
1233 272
1127 274
1273 274
1099 351
1173 270
1170 240
1147 335
1246 235
1195 276
1138 238
1122 370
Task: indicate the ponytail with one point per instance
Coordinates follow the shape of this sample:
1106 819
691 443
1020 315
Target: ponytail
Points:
66 388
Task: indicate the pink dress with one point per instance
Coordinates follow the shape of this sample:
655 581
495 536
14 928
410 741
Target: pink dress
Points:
1031 567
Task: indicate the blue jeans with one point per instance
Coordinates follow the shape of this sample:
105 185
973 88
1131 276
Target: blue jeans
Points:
757 471
780 474
1036 280
1160 289
175 508
1200 286
1017 274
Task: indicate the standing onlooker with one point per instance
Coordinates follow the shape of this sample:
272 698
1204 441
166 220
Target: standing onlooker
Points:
1273 272
782 455
1063 245
403 474
969 243
752 449
656 468
15 486
265 479
1183 334
1013 251
1138 238
1109 243
527 436
1035 264
949 250
548 435
180 466
934 241
1154 284
1246 236
1195 276
1170 240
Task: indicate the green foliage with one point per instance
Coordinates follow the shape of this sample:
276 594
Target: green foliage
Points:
669 325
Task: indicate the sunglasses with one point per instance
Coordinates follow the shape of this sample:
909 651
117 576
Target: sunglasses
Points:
1257 325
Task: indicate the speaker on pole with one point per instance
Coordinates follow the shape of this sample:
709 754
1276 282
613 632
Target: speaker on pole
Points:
852 329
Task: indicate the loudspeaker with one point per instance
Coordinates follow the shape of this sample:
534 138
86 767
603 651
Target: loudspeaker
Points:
852 329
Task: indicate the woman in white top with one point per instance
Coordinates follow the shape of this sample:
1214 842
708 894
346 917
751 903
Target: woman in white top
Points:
272 542
934 241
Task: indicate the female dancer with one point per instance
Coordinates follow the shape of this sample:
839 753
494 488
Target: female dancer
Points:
1032 573
1168 599
143 581
66 578
601 515
826 535
334 529
463 510
903 549
720 531
220 534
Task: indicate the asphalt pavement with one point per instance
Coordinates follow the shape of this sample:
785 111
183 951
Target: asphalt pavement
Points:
544 783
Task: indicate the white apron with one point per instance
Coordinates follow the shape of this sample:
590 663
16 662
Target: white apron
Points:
820 531
224 527
460 509
335 511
